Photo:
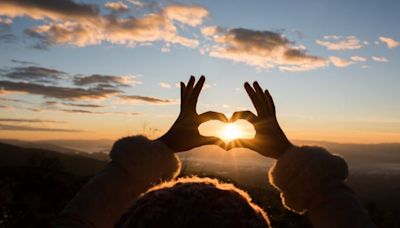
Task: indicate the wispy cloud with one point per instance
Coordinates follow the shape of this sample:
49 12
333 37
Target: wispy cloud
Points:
5 99
358 58
339 62
262 49
391 43
8 38
96 79
82 105
84 111
165 85
18 120
333 42
147 99
6 127
68 93
379 59
117 6
23 62
33 73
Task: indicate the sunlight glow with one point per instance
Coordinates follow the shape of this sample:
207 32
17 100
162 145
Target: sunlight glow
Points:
230 132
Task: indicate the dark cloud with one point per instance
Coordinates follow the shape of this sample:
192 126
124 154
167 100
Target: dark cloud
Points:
58 92
6 127
103 80
23 62
83 105
29 120
40 9
8 38
146 99
34 73
262 49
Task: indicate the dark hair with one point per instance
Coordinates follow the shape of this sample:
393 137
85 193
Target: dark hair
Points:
194 202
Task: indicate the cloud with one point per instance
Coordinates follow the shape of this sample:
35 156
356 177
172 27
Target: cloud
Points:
136 3
5 21
104 80
83 111
68 32
339 62
391 43
29 120
332 42
264 50
190 15
82 105
117 6
6 127
12 100
8 38
210 30
23 62
68 93
79 24
165 85
358 58
147 99
42 9
34 73
379 59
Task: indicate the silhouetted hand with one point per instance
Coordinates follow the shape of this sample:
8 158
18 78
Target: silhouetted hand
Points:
269 140
184 134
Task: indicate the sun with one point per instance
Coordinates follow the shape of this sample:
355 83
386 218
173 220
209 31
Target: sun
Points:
230 132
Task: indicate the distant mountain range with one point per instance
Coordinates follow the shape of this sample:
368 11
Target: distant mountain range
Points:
12 156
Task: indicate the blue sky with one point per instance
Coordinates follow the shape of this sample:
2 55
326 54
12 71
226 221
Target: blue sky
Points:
348 92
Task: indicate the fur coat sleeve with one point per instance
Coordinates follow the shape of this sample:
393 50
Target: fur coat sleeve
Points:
137 164
311 180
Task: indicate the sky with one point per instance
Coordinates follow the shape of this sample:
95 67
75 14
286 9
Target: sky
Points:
108 69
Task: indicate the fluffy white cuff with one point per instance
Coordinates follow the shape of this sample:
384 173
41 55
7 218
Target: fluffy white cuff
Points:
302 173
145 160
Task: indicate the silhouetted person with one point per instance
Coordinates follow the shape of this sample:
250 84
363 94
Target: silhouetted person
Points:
309 178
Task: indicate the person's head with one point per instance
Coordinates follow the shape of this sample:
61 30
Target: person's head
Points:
194 202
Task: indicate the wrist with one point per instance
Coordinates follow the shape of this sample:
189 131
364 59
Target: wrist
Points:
165 140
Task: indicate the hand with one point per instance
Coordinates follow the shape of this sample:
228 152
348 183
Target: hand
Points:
269 140
184 134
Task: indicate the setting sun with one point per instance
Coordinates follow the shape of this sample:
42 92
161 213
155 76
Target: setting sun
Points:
230 132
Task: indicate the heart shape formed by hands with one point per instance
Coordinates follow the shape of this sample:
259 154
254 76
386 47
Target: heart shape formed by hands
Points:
228 131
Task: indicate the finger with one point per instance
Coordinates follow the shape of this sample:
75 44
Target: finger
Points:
189 89
210 115
270 102
183 87
243 115
253 97
196 91
261 97
211 140
239 143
